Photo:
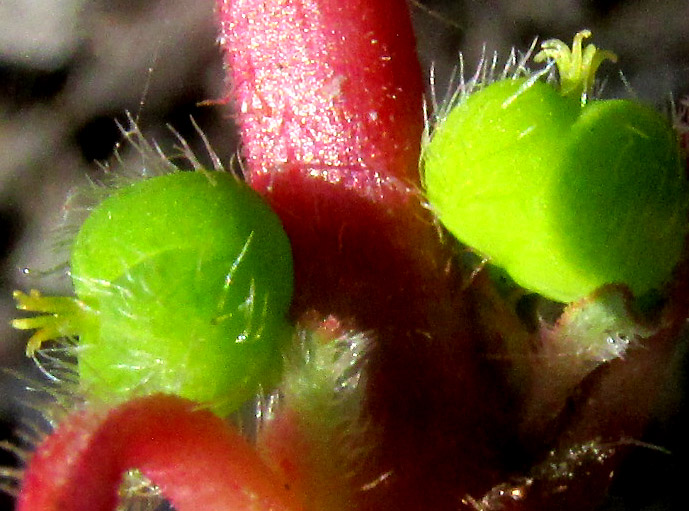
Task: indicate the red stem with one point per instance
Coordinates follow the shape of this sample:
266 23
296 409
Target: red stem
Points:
323 84
329 96
195 458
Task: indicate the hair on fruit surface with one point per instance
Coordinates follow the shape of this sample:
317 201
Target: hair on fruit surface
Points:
183 283
566 192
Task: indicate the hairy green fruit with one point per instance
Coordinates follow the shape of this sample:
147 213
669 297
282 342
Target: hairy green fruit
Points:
183 283
565 194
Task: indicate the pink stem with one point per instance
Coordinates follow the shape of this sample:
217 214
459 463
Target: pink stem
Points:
196 459
323 84
329 98
329 103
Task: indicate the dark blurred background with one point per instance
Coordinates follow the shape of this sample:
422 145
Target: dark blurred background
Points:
69 69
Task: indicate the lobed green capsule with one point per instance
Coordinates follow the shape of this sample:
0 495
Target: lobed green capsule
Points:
183 284
563 192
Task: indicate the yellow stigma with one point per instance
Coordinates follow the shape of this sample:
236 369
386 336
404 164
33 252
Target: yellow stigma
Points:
63 316
577 67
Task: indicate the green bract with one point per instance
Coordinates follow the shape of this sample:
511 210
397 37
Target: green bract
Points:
183 284
565 194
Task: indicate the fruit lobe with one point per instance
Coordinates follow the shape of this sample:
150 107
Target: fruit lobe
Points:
565 197
188 270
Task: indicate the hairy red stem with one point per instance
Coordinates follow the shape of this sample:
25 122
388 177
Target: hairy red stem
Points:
329 97
196 459
325 84
329 103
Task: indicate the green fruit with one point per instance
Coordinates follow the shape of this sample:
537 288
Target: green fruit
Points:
565 195
184 283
